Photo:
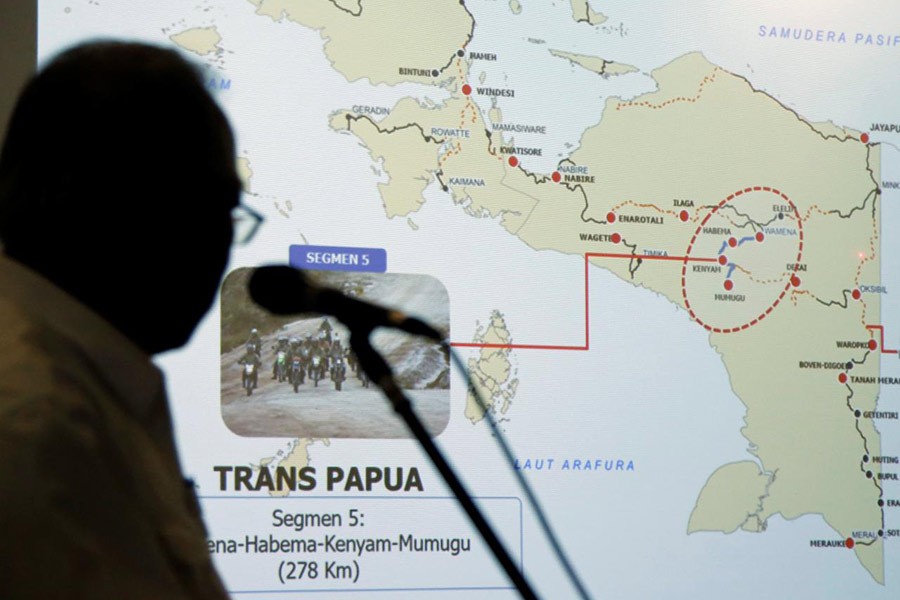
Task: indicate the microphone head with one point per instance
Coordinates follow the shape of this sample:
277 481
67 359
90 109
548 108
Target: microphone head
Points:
281 290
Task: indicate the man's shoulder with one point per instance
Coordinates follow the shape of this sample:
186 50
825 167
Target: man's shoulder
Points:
26 344
39 367
46 410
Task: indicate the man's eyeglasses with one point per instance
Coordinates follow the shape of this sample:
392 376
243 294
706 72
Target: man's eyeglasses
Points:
246 223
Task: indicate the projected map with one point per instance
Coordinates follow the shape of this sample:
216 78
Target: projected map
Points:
666 234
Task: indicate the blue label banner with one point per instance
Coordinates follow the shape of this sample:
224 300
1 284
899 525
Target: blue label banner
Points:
336 258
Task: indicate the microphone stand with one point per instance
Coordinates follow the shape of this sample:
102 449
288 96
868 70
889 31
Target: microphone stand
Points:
379 372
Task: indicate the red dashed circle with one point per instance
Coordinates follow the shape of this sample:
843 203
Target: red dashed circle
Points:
733 242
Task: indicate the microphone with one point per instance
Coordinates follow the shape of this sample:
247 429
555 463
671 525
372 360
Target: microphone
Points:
283 290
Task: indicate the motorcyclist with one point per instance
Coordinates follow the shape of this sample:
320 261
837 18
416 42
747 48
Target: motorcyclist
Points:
250 358
337 349
254 342
281 343
351 360
280 346
297 354
317 364
339 367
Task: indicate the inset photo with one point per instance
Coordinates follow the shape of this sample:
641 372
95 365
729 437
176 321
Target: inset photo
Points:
296 376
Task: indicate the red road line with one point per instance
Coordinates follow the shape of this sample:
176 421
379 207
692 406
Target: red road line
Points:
880 330
587 316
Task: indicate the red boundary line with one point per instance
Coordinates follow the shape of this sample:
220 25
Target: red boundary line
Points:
880 330
681 259
587 316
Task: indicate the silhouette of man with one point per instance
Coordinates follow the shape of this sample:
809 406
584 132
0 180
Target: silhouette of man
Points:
117 185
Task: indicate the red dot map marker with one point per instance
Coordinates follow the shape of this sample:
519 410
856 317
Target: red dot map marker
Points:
729 285
795 281
684 216
873 344
864 138
856 294
615 238
842 378
760 236
513 161
723 260
610 217
556 177
732 242
849 543
467 89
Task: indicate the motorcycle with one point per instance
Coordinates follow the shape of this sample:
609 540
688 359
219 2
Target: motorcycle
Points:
315 370
248 378
338 374
297 373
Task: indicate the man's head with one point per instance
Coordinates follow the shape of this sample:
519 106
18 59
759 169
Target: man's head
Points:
117 181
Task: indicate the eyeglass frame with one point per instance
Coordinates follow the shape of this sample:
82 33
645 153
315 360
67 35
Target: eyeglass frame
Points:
243 213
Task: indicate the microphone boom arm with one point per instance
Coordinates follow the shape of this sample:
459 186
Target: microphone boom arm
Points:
380 372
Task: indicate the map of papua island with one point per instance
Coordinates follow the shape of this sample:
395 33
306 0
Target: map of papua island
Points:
761 225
